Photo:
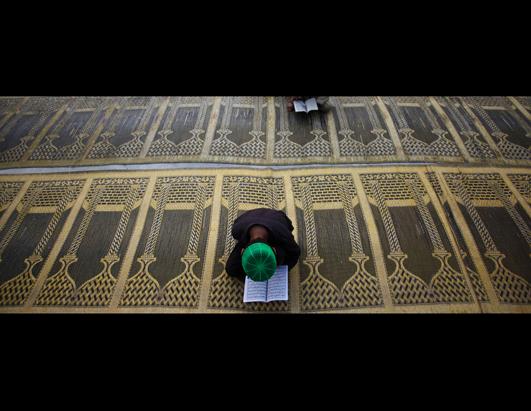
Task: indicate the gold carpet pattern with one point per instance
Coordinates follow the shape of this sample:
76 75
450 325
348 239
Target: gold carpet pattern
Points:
383 238
60 131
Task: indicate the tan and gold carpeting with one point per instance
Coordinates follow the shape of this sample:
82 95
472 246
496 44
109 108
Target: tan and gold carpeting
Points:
452 236
55 131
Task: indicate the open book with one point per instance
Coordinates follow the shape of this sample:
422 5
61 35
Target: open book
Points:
274 289
306 106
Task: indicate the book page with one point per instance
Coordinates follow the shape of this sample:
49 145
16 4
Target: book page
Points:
299 106
311 104
277 286
254 290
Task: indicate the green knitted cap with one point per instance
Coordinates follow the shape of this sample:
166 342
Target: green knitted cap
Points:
259 262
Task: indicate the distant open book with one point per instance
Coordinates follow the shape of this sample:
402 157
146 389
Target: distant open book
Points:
274 289
306 106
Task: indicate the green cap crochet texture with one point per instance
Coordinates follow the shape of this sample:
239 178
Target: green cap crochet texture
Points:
259 262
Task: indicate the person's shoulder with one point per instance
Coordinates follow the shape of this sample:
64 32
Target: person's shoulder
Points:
282 214
255 212
279 213
265 212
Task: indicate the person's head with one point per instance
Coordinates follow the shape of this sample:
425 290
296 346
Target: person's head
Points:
258 232
259 258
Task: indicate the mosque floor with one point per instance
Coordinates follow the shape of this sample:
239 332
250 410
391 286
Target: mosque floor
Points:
400 204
